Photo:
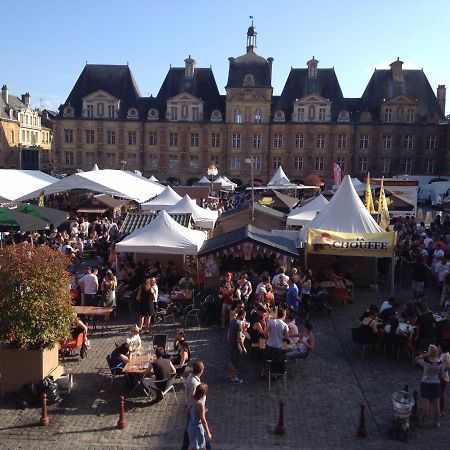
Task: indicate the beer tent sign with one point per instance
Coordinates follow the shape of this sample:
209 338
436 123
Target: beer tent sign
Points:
350 244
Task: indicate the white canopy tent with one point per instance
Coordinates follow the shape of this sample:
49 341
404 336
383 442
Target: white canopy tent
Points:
15 184
154 179
107 181
225 183
165 200
280 179
163 236
203 217
302 215
204 180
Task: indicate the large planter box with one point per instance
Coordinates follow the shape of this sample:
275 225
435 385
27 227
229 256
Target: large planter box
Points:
19 367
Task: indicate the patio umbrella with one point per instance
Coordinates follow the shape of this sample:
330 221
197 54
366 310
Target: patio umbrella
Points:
12 220
53 216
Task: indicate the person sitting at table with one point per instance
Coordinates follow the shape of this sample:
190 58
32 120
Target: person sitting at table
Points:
160 370
306 343
182 351
187 282
369 326
120 356
293 329
372 308
78 327
387 312
133 339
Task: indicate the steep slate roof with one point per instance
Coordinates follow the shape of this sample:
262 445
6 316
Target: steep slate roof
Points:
249 233
250 63
116 80
298 85
133 221
203 86
415 86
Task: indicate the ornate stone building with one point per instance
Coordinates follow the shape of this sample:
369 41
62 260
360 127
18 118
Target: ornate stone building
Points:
397 126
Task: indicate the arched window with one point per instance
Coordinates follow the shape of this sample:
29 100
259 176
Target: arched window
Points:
258 116
237 116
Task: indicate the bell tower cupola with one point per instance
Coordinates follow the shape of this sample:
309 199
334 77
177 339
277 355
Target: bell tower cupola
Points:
251 37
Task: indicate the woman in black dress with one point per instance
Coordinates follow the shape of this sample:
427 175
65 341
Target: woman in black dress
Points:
145 297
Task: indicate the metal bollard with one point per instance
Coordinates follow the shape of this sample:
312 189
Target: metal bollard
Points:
44 420
361 433
122 422
280 429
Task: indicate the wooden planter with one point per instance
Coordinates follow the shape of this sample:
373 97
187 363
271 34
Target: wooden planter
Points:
20 366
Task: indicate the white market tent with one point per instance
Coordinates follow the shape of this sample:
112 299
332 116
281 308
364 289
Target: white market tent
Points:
204 180
154 179
344 213
302 215
225 183
165 200
163 236
107 181
280 179
203 217
15 184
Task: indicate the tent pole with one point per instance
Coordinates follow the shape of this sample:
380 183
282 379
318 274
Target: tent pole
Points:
198 278
392 275
306 258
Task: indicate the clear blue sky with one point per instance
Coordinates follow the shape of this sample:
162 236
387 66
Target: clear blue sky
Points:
46 44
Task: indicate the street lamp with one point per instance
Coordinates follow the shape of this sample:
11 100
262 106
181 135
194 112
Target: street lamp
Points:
212 171
123 162
250 160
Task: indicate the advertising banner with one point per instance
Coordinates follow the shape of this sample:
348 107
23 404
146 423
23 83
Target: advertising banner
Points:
378 245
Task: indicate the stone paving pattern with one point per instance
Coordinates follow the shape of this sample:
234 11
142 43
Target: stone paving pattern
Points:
321 403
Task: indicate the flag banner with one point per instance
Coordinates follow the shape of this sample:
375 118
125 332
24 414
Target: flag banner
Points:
368 200
383 210
351 244
337 174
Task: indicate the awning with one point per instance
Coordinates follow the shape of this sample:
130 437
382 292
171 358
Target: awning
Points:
92 210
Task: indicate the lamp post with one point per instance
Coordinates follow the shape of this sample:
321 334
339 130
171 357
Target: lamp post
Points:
250 160
123 162
212 171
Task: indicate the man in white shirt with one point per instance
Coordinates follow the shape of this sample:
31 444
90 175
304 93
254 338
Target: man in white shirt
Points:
442 268
275 332
89 288
262 289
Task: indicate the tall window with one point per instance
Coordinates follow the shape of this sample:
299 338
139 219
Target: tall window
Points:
111 160
173 139
153 138
195 113
235 163
342 141
362 166
278 140
237 116
410 115
299 140
152 161
68 136
131 160
429 166
236 140
298 163
409 142
256 141
90 137
407 165
387 141
385 165
431 142
215 140
173 113
90 158
258 116
90 110
364 141
341 162
276 162
388 115
111 137
194 161
194 139
132 138
320 141
173 161
257 165
322 114
319 163
301 114
68 157
111 111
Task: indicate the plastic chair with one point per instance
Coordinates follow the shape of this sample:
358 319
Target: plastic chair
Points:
277 369
163 387
160 340
68 348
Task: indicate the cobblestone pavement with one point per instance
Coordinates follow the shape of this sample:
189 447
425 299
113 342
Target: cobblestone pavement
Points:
321 403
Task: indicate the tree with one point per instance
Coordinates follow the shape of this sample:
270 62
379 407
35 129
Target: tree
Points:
35 306
313 180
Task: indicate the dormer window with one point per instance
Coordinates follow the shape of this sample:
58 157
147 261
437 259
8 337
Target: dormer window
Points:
173 113
100 109
237 116
388 115
258 116
89 111
132 114
216 116
279 116
195 113
68 111
343 116
410 115
111 111
300 114
153 114
249 80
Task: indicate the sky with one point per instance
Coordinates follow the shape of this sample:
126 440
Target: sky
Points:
47 43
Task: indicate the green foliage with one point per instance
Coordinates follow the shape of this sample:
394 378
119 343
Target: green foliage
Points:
35 305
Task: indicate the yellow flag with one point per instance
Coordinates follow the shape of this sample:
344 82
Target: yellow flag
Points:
368 196
383 210
41 201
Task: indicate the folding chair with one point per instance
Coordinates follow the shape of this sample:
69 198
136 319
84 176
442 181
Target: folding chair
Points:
67 348
160 340
277 369
163 387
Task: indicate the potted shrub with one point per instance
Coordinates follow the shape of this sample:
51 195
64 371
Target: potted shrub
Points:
35 313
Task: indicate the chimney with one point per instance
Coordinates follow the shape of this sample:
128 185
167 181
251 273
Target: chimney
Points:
312 67
396 70
26 98
189 67
270 61
441 97
5 94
